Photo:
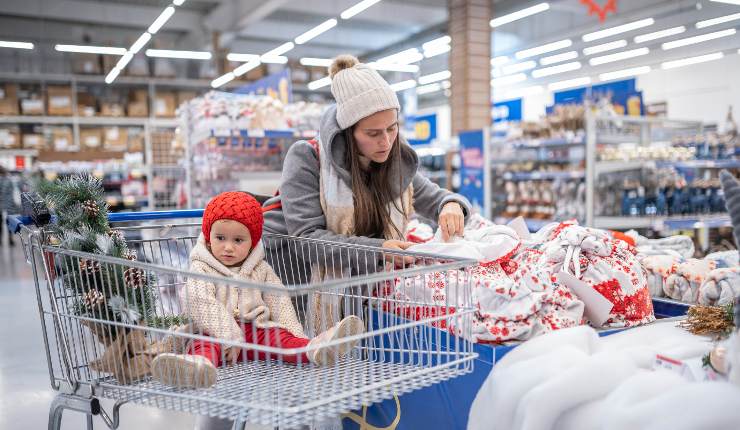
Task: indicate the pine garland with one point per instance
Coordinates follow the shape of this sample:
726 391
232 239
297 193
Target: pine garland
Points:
103 291
710 320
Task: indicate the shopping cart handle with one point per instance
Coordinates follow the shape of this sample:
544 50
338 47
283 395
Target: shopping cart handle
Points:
146 216
15 222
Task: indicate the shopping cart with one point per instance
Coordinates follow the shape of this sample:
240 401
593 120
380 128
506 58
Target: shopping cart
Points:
405 345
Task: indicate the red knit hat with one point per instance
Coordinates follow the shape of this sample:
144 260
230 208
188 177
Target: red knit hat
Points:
237 206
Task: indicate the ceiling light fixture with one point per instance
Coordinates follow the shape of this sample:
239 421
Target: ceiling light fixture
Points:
238 58
618 29
274 59
596 49
691 60
428 89
519 67
161 19
437 50
186 55
403 85
559 58
407 56
659 34
316 62
619 56
390 67
321 28
244 68
140 43
359 7
112 75
626 73
434 77
280 50
698 39
178 2
434 43
515 16
718 20
554 70
508 80
543 49
104 50
500 60
319 83
570 83
221 80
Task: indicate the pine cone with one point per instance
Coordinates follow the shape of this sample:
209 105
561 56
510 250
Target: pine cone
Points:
116 235
91 208
134 278
130 255
93 299
89 267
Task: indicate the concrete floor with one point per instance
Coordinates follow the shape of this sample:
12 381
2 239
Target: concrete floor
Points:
25 391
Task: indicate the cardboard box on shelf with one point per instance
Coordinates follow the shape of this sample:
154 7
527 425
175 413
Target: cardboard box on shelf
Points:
135 140
185 96
138 109
256 73
62 140
9 99
10 138
112 109
59 100
91 139
165 104
139 66
86 105
87 64
33 141
115 139
300 74
32 106
138 95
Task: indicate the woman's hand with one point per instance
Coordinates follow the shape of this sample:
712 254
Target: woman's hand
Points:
451 221
397 245
231 355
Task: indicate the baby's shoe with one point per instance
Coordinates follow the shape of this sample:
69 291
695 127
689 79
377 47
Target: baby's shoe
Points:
327 355
184 371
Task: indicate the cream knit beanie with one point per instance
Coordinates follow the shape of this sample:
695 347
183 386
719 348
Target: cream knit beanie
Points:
359 90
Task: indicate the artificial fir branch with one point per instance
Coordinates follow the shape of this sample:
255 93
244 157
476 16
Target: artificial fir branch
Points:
710 320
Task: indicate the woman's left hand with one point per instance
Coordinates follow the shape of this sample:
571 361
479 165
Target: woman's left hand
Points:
451 221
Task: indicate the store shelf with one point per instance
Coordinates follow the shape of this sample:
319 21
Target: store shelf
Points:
534 176
100 79
603 167
95 120
662 223
545 143
19 152
701 164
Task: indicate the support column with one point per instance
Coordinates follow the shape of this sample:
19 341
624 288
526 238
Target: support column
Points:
470 63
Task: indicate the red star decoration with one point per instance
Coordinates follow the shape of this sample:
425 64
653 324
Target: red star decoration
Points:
601 11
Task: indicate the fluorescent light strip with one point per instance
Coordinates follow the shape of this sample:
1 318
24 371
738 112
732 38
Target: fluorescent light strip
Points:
570 83
389 67
698 39
436 50
280 50
186 55
244 68
105 50
321 28
359 7
112 75
735 2
526 91
403 85
508 80
124 60
660 34
407 56
533 52
559 58
619 56
316 62
618 29
515 16
436 43
178 2
718 20
519 67
626 73
221 80
692 60
434 77
319 83
271 59
15 45
554 70
232 56
161 19
605 47
428 89
501 60
140 43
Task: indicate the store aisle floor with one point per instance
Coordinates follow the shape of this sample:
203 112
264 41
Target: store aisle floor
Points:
25 393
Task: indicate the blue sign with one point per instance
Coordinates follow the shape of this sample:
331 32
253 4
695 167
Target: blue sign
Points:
423 128
622 94
473 169
278 86
510 110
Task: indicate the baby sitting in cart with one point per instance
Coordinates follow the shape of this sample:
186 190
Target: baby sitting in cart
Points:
230 246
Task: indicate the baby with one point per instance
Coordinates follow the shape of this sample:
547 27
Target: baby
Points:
230 246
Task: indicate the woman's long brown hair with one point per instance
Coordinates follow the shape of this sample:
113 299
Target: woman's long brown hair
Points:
373 191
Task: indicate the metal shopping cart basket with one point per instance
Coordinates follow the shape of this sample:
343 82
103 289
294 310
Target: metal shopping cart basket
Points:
405 346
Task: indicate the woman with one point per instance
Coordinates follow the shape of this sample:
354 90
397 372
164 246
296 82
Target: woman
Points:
360 184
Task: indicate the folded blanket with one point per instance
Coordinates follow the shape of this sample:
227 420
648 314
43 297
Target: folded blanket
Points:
685 282
720 287
659 268
724 258
681 245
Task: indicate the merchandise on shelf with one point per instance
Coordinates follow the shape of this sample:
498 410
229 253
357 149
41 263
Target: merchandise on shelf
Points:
9 99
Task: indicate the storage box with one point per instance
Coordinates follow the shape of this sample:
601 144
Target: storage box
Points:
86 105
9 99
59 100
138 109
111 109
115 139
135 140
165 104
32 106
138 95
256 73
10 138
185 96
33 141
91 139
87 64
62 140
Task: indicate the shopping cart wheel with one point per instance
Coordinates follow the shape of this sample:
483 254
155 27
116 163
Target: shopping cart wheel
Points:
88 406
